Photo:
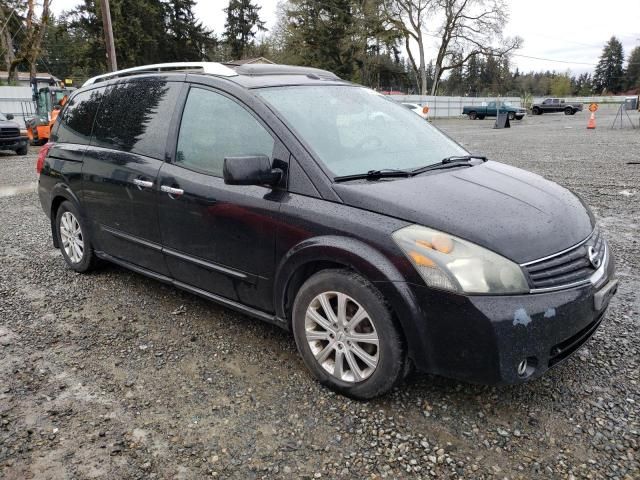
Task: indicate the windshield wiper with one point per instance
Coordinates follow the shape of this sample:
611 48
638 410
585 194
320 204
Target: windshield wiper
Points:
463 158
375 175
449 162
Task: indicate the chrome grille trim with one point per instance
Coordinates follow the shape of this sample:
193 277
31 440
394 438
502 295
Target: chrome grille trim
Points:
561 252
571 266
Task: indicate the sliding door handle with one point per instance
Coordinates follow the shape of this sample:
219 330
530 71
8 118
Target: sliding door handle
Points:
142 183
171 190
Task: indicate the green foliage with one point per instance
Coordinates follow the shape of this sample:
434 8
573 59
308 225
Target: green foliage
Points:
348 37
243 23
609 74
145 31
633 70
561 86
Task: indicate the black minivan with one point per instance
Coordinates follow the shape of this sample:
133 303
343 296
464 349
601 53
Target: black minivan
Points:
329 210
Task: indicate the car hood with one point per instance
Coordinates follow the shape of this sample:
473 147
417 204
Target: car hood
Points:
8 124
515 213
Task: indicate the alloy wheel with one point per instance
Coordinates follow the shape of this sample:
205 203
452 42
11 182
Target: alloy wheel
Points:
342 337
72 238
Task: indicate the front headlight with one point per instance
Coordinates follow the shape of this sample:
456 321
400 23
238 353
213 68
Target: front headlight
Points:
450 263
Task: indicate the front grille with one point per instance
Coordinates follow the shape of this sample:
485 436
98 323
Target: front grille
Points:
9 132
563 349
569 267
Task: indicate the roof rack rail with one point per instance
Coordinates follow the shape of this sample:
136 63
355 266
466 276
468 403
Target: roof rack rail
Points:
258 69
210 68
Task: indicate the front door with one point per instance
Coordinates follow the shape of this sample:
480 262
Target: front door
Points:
216 237
121 167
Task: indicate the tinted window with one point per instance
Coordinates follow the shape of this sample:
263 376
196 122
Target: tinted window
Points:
77 117
214 127
135 116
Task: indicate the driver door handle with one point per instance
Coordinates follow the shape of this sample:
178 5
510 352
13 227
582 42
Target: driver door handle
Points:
171 190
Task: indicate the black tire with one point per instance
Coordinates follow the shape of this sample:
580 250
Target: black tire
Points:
519 117
480 117
88 259
536 111
473 115
568 111
392 362
23 150
511 115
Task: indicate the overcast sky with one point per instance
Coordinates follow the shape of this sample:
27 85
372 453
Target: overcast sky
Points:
572 32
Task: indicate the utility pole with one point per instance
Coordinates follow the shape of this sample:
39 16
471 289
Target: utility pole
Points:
112 62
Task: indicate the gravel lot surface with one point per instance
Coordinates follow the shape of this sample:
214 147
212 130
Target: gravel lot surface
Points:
111 375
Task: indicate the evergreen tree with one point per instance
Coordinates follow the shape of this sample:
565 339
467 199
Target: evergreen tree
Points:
186 38
320 34
633 70
242 25
609 73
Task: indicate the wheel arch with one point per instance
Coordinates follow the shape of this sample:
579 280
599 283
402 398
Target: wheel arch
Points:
314 255
59 194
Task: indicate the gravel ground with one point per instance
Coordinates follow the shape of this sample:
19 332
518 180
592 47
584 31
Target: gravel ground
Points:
111 375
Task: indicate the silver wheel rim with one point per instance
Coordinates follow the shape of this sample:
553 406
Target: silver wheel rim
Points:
72 238
342 337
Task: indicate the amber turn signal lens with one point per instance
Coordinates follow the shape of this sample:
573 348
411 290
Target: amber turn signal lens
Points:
424 243
421 260
442 243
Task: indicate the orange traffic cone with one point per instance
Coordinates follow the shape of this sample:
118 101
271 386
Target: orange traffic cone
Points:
592 122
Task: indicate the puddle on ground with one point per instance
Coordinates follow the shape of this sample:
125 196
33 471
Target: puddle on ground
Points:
10 191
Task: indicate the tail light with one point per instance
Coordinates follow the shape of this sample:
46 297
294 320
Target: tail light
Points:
42 156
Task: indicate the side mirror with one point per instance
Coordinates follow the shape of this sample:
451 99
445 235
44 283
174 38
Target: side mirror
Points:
9 116
250 170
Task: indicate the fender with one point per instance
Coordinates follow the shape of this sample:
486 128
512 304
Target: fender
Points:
366 261
61 190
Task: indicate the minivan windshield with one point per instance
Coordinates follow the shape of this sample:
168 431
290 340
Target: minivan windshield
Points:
355 130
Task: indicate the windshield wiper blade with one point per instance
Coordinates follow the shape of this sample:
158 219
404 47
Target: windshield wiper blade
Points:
375 175
450 162
463 158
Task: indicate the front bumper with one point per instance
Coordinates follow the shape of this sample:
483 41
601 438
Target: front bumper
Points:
486 339
13 143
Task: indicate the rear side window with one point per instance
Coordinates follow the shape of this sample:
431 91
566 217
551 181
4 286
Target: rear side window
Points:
134 116
214 127
77 118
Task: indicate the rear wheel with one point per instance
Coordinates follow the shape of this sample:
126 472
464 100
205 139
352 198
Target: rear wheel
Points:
473 115
568 111
346 335
73 239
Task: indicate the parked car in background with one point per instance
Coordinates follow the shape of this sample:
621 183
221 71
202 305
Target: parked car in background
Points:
322 207
491 110
414 107
553 105
11 137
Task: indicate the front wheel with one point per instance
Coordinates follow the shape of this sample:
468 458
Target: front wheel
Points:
512 115
23 150
346 335
73 240
473 115
536 111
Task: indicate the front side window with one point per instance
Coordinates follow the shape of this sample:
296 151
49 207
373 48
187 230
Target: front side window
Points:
214 127
353 130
